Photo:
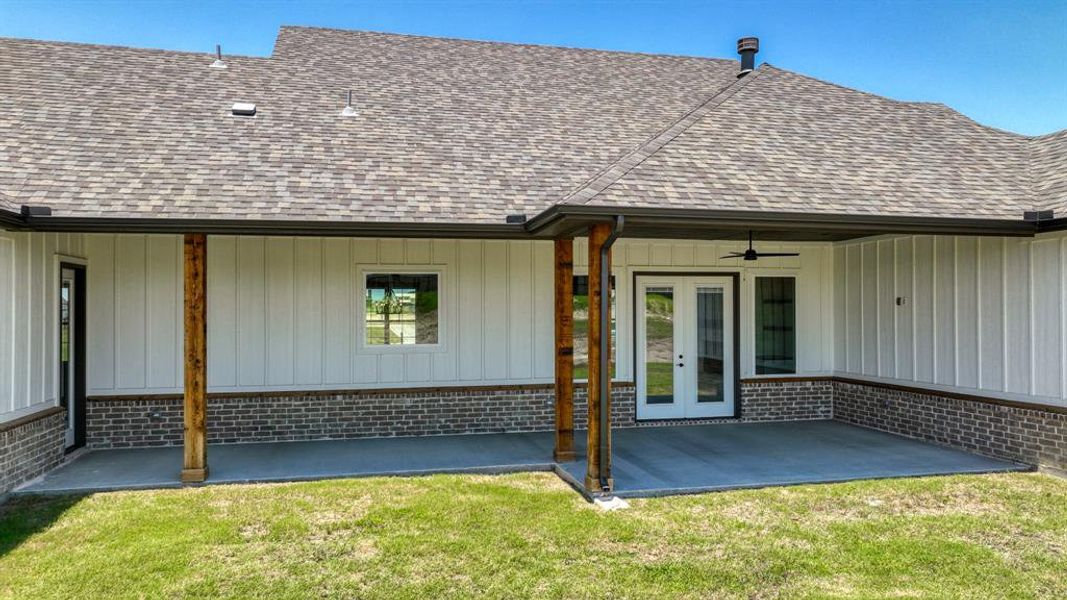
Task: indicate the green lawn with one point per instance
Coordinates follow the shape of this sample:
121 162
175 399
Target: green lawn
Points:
530 536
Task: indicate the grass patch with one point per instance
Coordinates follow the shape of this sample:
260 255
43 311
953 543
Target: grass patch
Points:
529 535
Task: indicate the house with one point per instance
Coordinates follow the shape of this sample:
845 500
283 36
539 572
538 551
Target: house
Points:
368 234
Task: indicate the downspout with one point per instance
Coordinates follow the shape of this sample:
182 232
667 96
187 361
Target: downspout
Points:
605 348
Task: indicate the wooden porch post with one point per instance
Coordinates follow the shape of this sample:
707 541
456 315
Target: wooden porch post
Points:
564 451
598 234
194 469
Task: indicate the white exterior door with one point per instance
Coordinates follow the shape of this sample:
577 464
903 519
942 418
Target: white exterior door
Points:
685 347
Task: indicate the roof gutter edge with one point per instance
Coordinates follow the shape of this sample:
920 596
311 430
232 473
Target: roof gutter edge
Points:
1058 224
273 227
757 219
11 220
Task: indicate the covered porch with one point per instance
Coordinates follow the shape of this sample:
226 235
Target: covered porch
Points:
648 461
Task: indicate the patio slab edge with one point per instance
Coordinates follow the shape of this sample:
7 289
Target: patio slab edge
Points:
687 491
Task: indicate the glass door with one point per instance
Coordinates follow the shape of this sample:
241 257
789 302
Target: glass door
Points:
661 373
685 347
711 376
67 289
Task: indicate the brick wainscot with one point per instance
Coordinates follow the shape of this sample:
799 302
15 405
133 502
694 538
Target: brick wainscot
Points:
31 446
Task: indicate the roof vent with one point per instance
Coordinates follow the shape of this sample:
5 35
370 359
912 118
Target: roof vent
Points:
747 47
515 219
349 110
1038 215
218 64
36 211
244 109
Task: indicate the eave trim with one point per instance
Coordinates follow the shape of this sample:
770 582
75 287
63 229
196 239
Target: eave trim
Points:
276 227
562 217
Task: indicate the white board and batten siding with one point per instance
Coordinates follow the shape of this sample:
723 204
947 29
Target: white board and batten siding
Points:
284 313
29 318
811 268
981 315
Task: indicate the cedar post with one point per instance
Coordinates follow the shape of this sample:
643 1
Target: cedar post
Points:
194 469
564 270
598 234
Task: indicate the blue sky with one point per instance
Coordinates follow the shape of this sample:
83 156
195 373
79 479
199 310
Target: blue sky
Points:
1002 63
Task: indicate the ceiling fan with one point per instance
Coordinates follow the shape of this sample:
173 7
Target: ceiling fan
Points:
751 253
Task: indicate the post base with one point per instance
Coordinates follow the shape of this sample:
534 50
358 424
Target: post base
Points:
194 475
562 456
592 484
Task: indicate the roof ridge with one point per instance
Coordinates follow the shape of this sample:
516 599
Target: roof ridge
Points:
506 43
1050 135
1031 183
144 49
629 161
1032 179
922 104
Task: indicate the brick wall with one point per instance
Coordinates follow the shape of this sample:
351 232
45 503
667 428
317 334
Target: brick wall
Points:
772 400
30 447
122 423
1032 436
1029 435
785 400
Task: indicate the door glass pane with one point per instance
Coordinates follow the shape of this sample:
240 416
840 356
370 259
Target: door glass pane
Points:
776 346
659 345
64 342
710 345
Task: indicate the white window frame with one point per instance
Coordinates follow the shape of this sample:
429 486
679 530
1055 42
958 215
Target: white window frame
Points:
443 302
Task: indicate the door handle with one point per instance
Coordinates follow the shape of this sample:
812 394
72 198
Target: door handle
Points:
681 365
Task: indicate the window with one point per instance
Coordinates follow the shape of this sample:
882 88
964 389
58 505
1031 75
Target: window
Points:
776 346
401 309
581 326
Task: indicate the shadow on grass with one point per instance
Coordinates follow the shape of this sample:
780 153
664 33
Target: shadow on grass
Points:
23 516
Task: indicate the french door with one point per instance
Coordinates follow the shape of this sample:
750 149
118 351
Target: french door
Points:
685 347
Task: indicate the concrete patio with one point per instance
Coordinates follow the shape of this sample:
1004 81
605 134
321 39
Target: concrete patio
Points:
648 461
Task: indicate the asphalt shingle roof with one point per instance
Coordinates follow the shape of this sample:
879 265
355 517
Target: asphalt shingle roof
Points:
462 131
1048 162
790 143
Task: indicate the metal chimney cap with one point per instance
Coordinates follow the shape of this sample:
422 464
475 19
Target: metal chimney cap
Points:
747 44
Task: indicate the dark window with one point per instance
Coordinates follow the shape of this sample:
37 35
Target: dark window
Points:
581 327
776 345
402 309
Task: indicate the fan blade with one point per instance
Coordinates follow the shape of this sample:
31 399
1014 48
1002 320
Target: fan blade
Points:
762 254
733 255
